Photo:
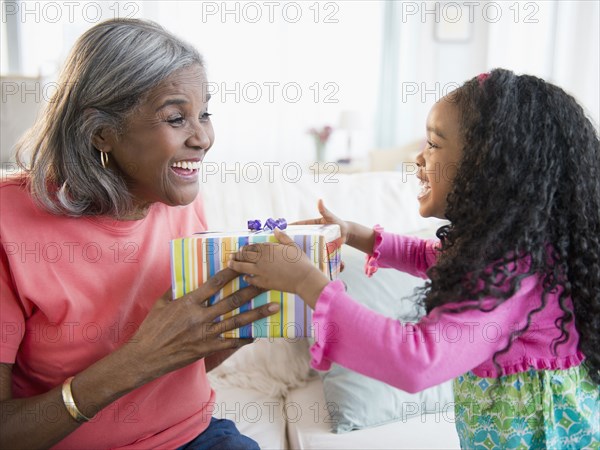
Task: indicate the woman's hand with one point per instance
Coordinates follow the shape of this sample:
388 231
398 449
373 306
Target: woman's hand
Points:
281 266
173 335
214 360
177 333
353 234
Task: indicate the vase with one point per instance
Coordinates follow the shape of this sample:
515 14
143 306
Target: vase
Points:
320 151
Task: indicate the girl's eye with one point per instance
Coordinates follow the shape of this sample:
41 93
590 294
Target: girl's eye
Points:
205 116
431 144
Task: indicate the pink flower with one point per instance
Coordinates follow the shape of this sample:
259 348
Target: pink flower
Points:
321 135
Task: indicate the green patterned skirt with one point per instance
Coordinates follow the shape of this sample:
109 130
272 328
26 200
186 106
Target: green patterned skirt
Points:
538 409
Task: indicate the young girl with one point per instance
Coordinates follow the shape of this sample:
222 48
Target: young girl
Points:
513 297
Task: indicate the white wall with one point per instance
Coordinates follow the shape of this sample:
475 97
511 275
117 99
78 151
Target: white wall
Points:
317 67
336 55
430 68
557 41
575 65
277 68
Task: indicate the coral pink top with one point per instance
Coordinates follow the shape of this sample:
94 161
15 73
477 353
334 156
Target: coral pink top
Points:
441 346
74 290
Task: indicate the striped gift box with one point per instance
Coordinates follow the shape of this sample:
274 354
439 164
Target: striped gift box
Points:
196 258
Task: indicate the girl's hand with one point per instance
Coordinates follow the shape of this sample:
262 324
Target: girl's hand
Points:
353 234
327 218
281 266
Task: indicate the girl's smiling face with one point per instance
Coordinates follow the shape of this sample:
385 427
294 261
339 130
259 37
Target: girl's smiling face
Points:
439 160
164 141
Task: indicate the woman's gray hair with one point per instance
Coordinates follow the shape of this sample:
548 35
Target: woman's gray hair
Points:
109 71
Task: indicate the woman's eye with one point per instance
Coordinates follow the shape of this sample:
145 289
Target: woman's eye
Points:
175 120
205 116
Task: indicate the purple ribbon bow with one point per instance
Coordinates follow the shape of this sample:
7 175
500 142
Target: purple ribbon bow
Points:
254 225
270 224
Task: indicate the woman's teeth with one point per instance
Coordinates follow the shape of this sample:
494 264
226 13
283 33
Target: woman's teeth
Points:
189 165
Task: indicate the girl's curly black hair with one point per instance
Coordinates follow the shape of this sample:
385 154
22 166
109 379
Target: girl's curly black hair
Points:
528 184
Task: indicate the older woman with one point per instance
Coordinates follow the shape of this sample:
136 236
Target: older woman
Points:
88 328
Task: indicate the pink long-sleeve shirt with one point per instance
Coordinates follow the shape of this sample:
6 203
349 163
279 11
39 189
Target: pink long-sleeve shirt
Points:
441 346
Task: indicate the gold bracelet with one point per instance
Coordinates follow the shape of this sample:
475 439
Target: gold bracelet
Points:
69 402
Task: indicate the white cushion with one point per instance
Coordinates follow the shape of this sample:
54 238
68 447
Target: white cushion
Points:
271 366
308 426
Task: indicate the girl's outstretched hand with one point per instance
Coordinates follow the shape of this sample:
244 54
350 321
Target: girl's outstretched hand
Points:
353 234
327 218
281 266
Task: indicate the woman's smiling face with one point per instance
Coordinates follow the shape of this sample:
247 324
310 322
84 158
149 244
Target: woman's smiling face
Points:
164 141
439 160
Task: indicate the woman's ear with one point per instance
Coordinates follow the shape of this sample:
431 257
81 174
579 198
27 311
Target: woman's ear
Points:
103 138
102 141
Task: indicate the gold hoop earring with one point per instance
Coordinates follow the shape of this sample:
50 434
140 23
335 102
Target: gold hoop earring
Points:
104 159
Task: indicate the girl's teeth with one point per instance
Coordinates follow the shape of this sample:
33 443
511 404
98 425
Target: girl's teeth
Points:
425 188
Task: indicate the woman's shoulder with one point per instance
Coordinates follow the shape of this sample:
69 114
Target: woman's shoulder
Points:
17 205
15 192
14 184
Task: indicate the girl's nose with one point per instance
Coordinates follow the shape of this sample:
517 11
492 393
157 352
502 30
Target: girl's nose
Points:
420 159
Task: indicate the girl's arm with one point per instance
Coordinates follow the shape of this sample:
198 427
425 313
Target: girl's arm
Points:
360 237
408 254
410 356
268 266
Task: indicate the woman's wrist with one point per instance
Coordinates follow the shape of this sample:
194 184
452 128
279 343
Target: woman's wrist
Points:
106 381
88 392
71 404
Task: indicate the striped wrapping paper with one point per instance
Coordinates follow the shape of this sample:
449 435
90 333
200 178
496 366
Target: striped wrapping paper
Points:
196 258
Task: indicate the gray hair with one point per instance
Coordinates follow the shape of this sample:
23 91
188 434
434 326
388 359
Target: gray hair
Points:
109 71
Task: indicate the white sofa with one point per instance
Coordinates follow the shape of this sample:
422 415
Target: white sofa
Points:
267 388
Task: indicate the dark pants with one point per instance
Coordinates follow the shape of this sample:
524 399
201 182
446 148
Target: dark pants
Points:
221 434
